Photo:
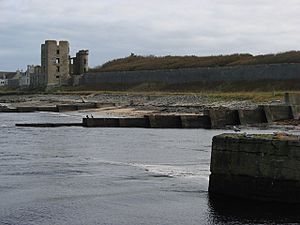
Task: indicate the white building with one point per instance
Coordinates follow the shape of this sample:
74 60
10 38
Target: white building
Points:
4 76
3 82
24 79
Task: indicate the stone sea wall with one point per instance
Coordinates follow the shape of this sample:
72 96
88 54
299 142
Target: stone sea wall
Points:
260 167
237 73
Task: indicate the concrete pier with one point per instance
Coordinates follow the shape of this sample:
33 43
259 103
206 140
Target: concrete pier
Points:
47 108
24 109
195 121
134 122
278 112
49 125
292 98
257 167
66 108
164 121
254 116
224 117
101 122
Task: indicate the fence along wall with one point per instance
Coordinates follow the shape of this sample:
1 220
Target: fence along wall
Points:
237 73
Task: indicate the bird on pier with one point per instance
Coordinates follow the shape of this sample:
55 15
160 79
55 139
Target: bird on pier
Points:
236 129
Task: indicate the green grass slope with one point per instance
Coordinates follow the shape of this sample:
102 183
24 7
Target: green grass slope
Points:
134 62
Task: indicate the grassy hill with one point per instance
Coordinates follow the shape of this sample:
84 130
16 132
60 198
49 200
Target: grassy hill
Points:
135 62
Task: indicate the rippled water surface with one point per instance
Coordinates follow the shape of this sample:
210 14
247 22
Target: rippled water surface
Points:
79 175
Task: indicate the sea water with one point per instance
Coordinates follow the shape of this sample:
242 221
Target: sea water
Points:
76 175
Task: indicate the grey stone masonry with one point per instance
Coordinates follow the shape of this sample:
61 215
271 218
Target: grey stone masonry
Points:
261 167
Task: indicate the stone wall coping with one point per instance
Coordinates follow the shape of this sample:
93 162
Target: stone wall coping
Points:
276 137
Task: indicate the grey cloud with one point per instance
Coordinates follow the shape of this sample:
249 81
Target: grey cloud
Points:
114 28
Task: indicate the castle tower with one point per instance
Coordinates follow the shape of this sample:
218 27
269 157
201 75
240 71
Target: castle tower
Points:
80 62
55 62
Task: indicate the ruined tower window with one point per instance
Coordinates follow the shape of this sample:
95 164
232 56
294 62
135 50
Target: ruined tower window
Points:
84 61
57 60
57 51
57 77
84 69
57 69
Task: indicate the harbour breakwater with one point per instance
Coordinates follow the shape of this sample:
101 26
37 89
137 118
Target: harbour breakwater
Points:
209 119
257 167
56 108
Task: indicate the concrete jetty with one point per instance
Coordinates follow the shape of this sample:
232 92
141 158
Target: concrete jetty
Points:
49 124
256 167
56 108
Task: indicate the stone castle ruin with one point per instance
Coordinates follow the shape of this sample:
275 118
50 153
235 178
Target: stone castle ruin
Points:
57 66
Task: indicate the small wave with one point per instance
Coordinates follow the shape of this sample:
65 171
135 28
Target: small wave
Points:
47 173
170 171
199 150
196 191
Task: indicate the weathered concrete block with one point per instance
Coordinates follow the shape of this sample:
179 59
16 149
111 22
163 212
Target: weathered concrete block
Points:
64 108
164 121
222 118
295 111
90 105
254 188
47 108
258 167
101 122
254 116
277 112
104 104
195 121
292 98
8 110
26 109
134 122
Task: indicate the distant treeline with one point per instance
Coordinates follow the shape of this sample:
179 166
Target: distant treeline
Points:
135 62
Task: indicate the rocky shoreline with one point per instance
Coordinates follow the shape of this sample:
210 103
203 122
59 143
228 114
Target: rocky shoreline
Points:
127 103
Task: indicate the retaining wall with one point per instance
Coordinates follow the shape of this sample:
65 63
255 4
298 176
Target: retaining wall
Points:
261 167
236 73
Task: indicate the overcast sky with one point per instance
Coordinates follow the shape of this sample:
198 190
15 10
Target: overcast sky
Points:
115 28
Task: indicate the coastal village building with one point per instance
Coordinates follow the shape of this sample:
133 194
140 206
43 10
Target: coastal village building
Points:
3 79
36 77
10 79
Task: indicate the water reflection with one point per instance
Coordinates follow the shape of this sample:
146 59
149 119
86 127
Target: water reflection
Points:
225 210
